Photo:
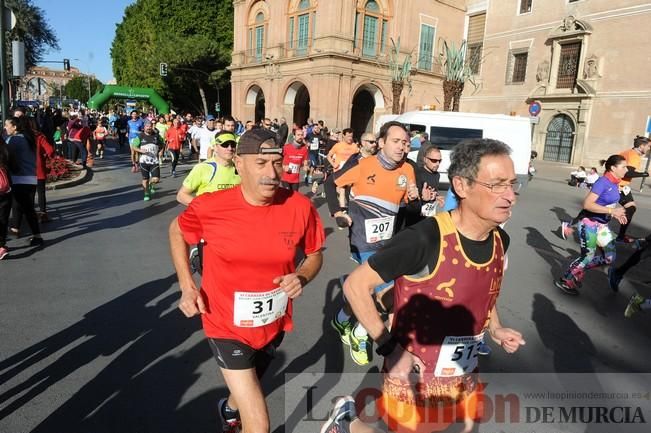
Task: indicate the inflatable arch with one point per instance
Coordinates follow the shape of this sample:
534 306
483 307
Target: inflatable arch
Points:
111 91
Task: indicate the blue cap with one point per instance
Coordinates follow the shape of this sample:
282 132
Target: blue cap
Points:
210 117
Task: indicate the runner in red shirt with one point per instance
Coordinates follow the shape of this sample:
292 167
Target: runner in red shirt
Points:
246 294
174 137
295 156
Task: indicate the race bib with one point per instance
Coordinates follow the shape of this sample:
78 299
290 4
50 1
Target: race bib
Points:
253 309
293 168
458 355
379 229
314 145
429 209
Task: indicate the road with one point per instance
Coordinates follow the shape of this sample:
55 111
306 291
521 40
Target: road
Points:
92 340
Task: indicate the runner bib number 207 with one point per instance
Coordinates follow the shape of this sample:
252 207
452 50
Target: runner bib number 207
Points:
379 229
253 309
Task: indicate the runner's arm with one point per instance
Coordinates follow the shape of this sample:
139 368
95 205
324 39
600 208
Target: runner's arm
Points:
358 289
294 283
184 195
508 338
191 301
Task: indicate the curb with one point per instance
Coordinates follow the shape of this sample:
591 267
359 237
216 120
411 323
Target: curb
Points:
83 177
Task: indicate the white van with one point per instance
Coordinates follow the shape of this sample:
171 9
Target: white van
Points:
446 129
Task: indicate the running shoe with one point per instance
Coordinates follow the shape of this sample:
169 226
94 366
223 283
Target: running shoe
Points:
341 416
147 197
359 347
634 305
625 239
151 189
173 173
566 230
3 252
567 286
230 424
36 241
614 278
344 329
484 349
315 187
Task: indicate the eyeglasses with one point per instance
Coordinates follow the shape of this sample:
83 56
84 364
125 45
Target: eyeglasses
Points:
433 160
228 144
370 141
500 188
267 124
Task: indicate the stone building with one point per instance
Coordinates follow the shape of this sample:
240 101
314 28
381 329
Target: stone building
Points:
327 59
40 83
586 62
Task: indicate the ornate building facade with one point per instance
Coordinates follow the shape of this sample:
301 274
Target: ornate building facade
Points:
41 83
328 59
583 61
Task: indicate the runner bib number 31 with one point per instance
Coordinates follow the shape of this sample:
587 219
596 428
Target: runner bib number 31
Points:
458 355
379 229
253 309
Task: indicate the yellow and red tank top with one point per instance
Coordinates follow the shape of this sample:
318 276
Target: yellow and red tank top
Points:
444 312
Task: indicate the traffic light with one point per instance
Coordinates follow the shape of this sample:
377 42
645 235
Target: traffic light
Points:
66 64
163 69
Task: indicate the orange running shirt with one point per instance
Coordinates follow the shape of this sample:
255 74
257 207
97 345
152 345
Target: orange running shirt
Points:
633 159
341 152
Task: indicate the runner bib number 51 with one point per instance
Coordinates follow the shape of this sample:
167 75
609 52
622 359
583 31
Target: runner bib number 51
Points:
458 355
253 309
379 229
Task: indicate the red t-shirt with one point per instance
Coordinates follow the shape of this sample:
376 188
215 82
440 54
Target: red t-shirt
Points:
175 137
294 157
246 248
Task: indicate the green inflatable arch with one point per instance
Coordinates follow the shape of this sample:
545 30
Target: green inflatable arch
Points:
111 91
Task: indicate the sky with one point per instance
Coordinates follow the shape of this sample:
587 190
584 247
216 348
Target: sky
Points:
85 30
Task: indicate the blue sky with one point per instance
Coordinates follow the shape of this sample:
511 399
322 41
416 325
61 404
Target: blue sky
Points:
85 30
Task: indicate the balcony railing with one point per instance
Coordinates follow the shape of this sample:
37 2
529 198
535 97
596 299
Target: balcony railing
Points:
255 55
297 48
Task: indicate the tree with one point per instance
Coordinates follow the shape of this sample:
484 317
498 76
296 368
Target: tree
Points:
77 88
33 29
400 73
457 69
195 39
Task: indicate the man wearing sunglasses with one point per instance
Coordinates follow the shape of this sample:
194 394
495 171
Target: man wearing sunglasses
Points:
214 174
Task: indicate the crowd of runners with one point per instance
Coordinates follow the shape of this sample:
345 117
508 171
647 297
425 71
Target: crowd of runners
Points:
430 265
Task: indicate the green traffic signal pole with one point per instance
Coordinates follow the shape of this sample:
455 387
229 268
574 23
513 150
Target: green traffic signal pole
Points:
4 100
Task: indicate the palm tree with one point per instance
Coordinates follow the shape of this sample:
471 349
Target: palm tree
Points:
400 72
457 69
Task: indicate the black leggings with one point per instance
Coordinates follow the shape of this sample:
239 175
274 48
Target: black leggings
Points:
177 154
5 210
637 256
24 205
40 193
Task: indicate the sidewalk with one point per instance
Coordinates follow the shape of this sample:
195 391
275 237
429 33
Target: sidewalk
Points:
560 173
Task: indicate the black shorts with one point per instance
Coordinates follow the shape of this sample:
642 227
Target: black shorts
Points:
146 169
625 198
235 355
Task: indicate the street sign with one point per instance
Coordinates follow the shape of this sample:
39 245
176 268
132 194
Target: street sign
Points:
534 108
648 125
534 120
163 69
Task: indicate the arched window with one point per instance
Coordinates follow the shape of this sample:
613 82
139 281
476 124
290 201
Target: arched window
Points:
256 36
374 27
302 22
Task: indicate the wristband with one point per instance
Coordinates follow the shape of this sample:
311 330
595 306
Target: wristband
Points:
343 209
386 344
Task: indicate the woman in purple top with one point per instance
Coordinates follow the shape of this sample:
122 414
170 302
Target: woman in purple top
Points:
599 207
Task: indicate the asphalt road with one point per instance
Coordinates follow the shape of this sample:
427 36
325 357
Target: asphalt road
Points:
91 340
